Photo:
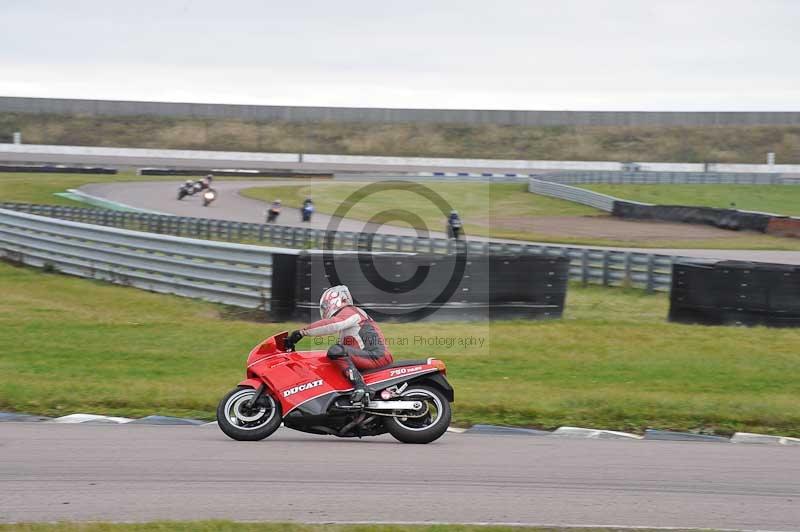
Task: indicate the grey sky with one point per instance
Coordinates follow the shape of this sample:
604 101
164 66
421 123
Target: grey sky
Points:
503 54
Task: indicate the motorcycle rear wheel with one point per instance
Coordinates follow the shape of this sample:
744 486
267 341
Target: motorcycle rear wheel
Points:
425 429
242 424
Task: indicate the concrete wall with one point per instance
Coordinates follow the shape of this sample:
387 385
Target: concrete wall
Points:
139 157
356 114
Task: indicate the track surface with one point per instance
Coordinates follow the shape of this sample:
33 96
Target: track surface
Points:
52 472
160 196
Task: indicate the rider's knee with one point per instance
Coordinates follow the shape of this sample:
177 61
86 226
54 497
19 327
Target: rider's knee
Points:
337 351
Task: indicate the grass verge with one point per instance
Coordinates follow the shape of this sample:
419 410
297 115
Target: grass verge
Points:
777 199
71 345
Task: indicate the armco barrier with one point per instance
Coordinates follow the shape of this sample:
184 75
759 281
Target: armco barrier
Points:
732 219
735 293
574 194
596 266
227 273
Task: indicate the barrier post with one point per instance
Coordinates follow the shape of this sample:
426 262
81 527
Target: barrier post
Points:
628 280
651 265
606 266
585 267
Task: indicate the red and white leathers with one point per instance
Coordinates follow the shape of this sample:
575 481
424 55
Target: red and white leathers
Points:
358 333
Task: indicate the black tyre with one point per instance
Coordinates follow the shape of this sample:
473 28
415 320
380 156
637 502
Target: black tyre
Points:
248 424
422 429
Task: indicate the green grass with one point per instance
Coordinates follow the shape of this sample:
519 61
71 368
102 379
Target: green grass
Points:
777 199
231 526
71 345
726 144
493 210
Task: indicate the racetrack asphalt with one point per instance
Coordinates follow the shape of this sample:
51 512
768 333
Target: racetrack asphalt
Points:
161 196
102 472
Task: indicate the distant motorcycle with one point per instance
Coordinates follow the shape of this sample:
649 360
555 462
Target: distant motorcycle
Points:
186 189
307 211
454 229
208 196
274 211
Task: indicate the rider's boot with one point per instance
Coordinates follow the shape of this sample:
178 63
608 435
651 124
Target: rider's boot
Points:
360 395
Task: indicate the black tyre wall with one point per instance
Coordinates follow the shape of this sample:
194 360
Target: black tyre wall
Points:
492 286
735 293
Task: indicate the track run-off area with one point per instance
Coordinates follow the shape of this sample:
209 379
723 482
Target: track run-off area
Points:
231 205
102 472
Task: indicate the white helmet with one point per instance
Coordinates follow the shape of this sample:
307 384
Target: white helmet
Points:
333 299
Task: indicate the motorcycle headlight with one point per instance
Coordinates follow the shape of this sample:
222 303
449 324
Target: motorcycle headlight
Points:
209 195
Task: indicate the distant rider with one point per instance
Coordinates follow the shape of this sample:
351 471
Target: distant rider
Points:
307 210
361 342
274 210
453 225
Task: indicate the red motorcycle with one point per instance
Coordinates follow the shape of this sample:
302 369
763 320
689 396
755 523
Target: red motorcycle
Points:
309 392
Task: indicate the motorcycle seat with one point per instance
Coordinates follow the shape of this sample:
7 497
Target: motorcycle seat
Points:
397 364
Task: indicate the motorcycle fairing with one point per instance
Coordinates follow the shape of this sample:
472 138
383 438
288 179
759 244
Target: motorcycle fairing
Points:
298 377
310 381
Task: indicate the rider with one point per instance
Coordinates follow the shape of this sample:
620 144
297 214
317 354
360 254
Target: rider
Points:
453 224
307 209
361 342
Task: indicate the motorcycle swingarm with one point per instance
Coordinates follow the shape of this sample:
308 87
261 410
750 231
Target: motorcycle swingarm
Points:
394 405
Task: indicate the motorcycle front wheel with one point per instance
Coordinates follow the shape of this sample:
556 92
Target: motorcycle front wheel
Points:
423 429
244 423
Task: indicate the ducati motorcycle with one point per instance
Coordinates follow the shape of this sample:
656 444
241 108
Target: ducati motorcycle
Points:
308 392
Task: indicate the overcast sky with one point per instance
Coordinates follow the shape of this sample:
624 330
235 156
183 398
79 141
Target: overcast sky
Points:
500 54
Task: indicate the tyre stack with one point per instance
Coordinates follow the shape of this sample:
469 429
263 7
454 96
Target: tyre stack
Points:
410 287
735 293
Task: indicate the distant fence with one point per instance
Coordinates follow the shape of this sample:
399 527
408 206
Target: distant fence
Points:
384 115
597 266
578 177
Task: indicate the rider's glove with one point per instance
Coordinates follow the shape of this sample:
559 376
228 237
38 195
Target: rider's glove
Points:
292 340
